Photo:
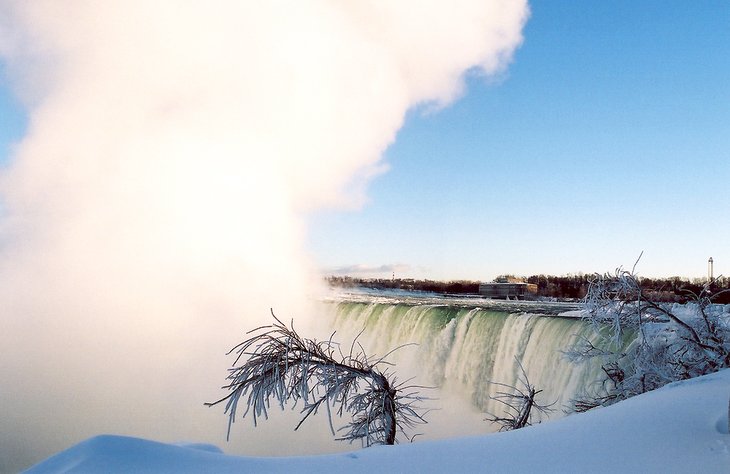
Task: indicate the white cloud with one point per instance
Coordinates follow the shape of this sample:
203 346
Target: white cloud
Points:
371 270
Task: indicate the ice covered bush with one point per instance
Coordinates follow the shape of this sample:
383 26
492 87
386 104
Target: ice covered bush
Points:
644 344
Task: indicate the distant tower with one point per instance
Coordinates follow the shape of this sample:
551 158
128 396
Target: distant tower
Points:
709 270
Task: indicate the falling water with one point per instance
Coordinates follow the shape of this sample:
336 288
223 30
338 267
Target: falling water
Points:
462 349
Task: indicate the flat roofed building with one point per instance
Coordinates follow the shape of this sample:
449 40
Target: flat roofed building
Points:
503 290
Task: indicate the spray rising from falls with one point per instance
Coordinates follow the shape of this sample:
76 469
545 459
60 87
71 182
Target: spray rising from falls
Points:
156 207
462 350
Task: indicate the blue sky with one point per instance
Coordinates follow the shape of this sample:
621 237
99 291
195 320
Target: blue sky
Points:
609 135
12 118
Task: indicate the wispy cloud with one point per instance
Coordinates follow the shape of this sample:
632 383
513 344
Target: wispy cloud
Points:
371 270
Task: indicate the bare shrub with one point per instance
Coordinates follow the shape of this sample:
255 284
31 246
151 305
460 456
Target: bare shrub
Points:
519 403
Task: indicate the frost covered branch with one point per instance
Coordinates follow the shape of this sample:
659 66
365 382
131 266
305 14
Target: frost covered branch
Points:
280 365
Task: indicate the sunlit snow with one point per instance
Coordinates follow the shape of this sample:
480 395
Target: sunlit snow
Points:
682 427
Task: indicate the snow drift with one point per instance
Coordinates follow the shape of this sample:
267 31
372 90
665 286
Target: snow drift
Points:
682 427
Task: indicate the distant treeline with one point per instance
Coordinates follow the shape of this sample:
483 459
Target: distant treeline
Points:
566 287
462 287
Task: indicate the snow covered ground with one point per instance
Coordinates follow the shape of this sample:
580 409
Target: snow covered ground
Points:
682 427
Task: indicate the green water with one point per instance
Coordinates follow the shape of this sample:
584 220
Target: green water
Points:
465 350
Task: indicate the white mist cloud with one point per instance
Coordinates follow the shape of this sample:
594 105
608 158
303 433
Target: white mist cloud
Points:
154 211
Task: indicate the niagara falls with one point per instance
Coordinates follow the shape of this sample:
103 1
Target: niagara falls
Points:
358 236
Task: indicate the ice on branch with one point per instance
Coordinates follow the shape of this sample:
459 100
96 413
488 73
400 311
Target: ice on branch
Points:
277 364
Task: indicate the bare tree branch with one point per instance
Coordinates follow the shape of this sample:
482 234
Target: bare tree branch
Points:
280 365
519 403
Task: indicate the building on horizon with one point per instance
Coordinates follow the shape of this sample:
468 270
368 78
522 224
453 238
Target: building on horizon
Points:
511 289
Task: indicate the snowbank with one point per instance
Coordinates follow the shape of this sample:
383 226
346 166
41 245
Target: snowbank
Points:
682 427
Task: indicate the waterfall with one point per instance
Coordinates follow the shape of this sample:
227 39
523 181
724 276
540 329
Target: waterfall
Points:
462 349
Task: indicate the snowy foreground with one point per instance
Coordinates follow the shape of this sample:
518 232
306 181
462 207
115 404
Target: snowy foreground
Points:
679 428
